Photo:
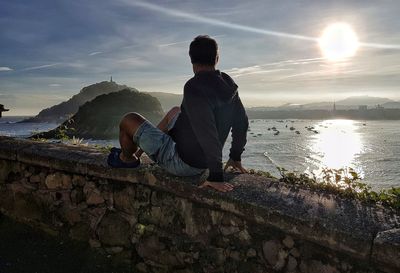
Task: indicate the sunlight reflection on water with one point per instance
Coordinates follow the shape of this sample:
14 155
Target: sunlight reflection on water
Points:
337 145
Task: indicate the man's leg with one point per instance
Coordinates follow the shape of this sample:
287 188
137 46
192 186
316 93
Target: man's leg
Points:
163 125
128 127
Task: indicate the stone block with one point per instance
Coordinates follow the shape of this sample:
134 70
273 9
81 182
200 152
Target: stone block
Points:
94 243
251 252
229 230
386 248
124 200
78 180
274 254
25 207
35 178
143 194
94 198
291 265
77 196
58 180
317 266
288 242
114 230
80 232
72 216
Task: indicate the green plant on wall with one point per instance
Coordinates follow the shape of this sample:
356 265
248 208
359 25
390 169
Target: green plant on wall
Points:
345 182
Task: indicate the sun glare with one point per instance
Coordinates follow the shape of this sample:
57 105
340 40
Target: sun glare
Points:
338 42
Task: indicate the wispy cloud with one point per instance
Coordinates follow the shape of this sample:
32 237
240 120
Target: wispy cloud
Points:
54 85
259 71
280 66
216 22
187 41
5 68
95 53
40 67
197 18
319 73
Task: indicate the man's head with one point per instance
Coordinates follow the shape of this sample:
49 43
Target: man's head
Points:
203 51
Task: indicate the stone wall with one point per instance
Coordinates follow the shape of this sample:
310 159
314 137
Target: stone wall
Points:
158 223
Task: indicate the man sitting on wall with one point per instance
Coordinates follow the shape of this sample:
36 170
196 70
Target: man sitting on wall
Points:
190 138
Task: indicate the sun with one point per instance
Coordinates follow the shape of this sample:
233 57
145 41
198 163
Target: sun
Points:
338 42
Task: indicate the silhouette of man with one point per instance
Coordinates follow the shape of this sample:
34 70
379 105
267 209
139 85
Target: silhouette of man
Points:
190 138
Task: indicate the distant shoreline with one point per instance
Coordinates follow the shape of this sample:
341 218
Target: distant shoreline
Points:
353 114
370 114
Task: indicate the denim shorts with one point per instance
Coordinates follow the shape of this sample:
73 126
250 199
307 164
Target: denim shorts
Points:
162 149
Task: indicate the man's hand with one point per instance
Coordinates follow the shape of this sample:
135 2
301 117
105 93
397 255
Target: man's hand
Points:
235 165
219 186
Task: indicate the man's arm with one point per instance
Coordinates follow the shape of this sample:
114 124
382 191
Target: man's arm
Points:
239 131
202 119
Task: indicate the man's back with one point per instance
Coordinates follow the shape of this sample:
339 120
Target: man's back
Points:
211 107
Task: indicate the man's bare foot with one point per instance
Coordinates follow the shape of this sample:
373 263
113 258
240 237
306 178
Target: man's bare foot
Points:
222 187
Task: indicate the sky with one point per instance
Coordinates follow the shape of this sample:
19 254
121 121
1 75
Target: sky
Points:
50 49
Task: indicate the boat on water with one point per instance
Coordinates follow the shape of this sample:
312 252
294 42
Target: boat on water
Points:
2 109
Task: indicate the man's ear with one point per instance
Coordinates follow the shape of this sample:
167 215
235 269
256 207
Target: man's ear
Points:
216 59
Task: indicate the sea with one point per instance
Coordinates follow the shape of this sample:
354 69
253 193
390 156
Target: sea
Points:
371 148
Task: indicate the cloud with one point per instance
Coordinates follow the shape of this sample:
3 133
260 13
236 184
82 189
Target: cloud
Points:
5 68
40 67
95 53
259 71
188 41
55 85
280 67
197 18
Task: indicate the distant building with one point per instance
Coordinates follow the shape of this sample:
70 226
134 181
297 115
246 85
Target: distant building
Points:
362 107
111 80
380 107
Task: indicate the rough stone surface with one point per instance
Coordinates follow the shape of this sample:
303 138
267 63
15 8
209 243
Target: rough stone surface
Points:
291 265
94 198
271 250
251 253
35 179
161 223
73 216
114 230
387 247
318 266
288 242
58 181
124 200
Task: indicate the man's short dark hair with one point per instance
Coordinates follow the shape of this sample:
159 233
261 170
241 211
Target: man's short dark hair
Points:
203 50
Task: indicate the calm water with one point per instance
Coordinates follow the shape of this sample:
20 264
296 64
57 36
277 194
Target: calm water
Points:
372 148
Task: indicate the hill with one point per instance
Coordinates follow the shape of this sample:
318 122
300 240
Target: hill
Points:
363 100
99 118
392 105
167 100
61 112
345 104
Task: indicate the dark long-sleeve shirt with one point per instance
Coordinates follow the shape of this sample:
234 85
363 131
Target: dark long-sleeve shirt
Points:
211 107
